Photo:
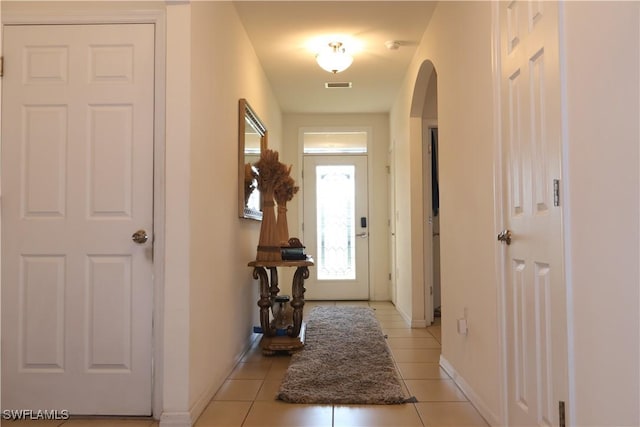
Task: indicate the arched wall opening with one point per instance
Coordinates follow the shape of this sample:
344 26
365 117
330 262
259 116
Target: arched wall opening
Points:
425 243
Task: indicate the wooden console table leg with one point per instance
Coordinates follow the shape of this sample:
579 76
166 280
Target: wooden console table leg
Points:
297 302
273 288
265 301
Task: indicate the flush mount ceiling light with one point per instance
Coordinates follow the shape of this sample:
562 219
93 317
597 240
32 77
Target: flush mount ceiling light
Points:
334 59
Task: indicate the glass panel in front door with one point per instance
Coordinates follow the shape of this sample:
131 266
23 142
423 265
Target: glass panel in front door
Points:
335 210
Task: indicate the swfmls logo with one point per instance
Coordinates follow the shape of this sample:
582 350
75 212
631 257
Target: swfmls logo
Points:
31 414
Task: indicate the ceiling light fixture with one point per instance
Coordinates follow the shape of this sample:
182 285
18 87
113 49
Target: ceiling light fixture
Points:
335 59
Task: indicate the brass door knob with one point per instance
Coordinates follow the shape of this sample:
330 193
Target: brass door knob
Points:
505 236
140 237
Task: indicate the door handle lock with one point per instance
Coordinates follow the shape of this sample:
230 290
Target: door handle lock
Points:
140 237
505 236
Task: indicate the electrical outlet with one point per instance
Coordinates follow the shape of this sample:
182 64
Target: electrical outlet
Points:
462 326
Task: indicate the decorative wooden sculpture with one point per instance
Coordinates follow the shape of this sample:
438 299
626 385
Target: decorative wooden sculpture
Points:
274 183
284 192
270 171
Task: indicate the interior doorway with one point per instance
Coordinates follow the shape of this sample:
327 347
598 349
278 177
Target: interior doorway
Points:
432 211
72 270
431 220
425 108
535 305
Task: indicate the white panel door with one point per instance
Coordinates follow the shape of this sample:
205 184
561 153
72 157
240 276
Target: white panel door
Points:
77 182
531 137
335 206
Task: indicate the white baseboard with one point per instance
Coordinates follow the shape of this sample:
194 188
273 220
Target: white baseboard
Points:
175 419
419 324
404 315
489 416
201 404
188 419
411 322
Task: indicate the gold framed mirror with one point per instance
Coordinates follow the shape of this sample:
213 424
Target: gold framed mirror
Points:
252 139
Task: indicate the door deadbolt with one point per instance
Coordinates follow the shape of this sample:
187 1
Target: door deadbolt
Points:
140 237
505 236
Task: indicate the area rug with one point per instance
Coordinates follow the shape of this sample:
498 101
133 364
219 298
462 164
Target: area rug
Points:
345 360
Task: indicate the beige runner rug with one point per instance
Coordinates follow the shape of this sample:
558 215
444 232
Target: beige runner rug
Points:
345 360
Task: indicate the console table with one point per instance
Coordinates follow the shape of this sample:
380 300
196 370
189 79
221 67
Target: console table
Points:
294 338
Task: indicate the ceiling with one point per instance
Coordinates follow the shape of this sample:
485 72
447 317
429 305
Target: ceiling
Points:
280 31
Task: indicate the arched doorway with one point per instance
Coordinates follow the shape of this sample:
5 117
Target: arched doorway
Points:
424 123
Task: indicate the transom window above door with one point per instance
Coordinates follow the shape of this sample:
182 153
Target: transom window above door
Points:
335 142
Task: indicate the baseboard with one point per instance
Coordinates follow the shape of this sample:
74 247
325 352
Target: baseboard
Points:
404 315
489 416
188 419
201 404
419 324
175 419
411 322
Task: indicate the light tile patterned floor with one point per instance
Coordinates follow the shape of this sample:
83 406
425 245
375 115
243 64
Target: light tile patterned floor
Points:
246 399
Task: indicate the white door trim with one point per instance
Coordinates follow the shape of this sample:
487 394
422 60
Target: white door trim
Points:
370 163
498 199
120 15
393 262
427 212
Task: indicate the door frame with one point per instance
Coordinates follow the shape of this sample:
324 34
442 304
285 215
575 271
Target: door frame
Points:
26 15
370 195
427 212
498 199
393 261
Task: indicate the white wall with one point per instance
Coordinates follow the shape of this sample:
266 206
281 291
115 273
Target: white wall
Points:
378 186
602 212
222 292
175 301
462 60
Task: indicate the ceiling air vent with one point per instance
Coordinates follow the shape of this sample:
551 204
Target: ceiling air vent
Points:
338 85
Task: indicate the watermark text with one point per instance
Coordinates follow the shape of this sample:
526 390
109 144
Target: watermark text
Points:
35 414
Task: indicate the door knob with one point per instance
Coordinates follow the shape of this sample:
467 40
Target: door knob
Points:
140 237
505 236
363 235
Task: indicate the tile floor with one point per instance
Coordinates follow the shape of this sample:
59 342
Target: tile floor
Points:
247 396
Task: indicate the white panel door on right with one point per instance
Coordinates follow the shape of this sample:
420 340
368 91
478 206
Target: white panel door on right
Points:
336 228
531 137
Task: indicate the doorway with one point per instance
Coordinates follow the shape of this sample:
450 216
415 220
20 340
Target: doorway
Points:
77 289
335 218
424 113
431 203
535 316
336 226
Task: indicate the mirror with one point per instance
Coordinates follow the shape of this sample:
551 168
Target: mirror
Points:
252 139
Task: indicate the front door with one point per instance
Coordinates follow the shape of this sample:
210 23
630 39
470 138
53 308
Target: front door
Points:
531 137
77 183
336 227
